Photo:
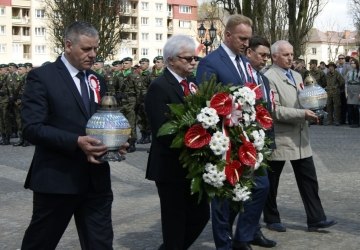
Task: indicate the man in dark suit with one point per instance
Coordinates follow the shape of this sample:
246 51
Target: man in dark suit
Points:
223 64
182 217
64 175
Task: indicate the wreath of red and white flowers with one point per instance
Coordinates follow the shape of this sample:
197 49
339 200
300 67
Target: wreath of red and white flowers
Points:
95 87
221 133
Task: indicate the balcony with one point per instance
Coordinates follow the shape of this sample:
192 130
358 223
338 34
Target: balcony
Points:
27 55
21 39
170 15
129 27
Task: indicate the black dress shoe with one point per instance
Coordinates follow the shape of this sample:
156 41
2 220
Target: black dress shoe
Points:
278 227
321 224
260 240
241 246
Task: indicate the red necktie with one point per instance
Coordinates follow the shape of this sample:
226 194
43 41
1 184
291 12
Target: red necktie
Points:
185 85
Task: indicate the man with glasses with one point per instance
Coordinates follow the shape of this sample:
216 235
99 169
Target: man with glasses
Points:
182 217
229 65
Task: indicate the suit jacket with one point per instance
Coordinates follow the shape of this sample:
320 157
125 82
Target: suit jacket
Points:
54 116
291 129
218 63
163 163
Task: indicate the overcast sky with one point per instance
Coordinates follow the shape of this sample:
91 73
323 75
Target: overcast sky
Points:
335 16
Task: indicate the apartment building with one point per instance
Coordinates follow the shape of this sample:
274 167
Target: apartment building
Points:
146 25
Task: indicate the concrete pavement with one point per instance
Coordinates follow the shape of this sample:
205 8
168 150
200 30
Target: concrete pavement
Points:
136 214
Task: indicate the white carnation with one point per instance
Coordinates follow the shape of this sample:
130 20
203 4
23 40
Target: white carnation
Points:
214 177
219 143
241 193
208 117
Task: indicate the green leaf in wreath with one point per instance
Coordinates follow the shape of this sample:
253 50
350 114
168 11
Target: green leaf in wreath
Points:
178 141
177 109
168 128
196 185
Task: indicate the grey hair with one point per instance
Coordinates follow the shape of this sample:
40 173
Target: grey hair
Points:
276 46
175 45
74 30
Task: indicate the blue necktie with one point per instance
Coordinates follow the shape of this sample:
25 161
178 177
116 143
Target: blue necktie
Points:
84 91
242 75
290 77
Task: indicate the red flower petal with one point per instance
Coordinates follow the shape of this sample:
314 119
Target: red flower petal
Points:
247 154
256 88
222 103
233 172
263 117
197 137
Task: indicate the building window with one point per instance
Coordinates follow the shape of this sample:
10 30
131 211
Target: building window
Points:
185 24
159 52
2 48
159 21
40 49
39 31
145 6
185 9
158 6
145 36
40 13
2 30
144 20
313 51
2 11
144 51
158 37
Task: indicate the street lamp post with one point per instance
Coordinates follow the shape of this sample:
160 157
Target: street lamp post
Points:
202 35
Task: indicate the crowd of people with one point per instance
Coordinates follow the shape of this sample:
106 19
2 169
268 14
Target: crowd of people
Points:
68 180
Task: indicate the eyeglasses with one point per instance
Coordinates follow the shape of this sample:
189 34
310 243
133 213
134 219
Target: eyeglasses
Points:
263 55
341 58
189 59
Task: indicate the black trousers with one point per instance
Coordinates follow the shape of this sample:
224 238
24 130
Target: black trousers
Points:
182 217
306 179
53 212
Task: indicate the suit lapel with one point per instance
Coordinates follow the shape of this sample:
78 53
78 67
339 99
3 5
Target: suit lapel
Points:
69 82
229 64
282 76
174 83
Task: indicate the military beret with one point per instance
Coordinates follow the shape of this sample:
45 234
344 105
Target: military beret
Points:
28 64
144 60
116 63
158 58
13 64
127 59
21 65
313 61
3 66
99 59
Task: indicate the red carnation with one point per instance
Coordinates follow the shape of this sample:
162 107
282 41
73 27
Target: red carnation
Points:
263 117
197 137
247 154
233 172
222 103
256 88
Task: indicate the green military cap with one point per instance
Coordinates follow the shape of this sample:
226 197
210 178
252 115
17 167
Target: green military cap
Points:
99 59
28 64
116 63
331 64
158 58
3 66
313 61
127 59
13 64
20 65
144 60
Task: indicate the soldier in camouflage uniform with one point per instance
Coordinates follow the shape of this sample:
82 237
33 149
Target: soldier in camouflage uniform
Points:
98 66
126 93
142 85
12 84
158 67
301 68
334 82
16 93
28 66
318 74
110 78
5 127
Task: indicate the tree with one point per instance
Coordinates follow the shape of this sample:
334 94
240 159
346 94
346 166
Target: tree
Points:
104 15
279 19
